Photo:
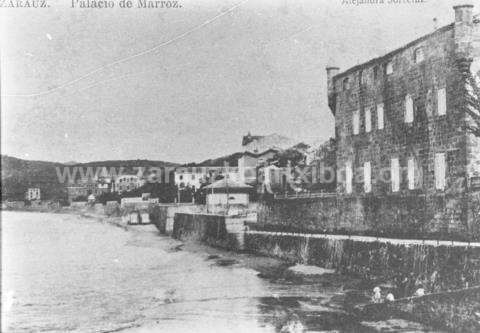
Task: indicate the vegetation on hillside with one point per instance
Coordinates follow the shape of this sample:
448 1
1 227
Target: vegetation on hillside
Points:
18 175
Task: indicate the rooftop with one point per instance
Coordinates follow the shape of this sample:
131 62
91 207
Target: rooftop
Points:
390 54
383 58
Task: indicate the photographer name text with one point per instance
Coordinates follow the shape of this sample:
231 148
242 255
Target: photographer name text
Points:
381 2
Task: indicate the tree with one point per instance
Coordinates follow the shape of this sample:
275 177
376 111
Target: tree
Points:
470 73
291 155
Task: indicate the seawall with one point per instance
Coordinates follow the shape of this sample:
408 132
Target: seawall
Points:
162 215
215 230
405 266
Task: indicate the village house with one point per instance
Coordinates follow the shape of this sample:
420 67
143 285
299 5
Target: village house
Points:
194 177
403 153
76 191
249 164
258 151
260 143
105 185
126 183
33 193
226 194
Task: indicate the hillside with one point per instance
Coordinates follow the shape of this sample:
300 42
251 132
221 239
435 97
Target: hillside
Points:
231 160
19 174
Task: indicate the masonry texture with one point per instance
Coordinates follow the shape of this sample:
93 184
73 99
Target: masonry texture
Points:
403 216
207 228
415 75
404 267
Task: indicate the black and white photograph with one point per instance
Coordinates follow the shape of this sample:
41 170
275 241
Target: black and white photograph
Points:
214 166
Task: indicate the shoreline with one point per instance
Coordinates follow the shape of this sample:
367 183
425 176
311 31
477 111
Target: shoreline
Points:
266 267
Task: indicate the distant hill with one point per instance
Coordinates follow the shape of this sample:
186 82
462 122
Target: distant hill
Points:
19 174
231 159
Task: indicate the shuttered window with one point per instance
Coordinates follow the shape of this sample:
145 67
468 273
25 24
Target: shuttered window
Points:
367 177
408 109
441 102
368 120
395 174
411 173
348 177
356 122
440 171
380 116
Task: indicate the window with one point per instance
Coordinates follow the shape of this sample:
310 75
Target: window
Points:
395 174
356 122
367 177
441 102
368 120
389 68
418 55
180 177
380 116
346 83
440 171
360 78
408 109
411 173
375 73
348 177
193 177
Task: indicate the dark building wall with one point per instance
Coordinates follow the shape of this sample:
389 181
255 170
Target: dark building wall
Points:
368 86
312 214
394 215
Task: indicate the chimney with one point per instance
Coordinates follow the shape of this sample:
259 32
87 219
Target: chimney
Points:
463 29
435 23
331 72
463 14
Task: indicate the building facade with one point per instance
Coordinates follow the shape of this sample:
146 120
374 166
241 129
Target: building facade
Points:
126 183
259 143
195 177
76 191
33 193
401 132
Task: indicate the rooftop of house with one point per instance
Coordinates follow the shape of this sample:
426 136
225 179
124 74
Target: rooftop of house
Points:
261 143
227 183
205 169
387 56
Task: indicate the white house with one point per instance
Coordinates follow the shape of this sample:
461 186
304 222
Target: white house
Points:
196 176
33 193
128 183
226 192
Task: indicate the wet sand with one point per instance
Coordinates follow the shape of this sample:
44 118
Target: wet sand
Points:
81 274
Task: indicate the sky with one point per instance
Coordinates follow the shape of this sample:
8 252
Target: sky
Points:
184 84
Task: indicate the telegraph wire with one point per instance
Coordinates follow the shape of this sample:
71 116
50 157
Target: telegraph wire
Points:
99 69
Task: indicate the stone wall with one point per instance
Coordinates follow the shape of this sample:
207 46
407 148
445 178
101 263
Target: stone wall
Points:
395 215
216 230
306 214
162 215
404 267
